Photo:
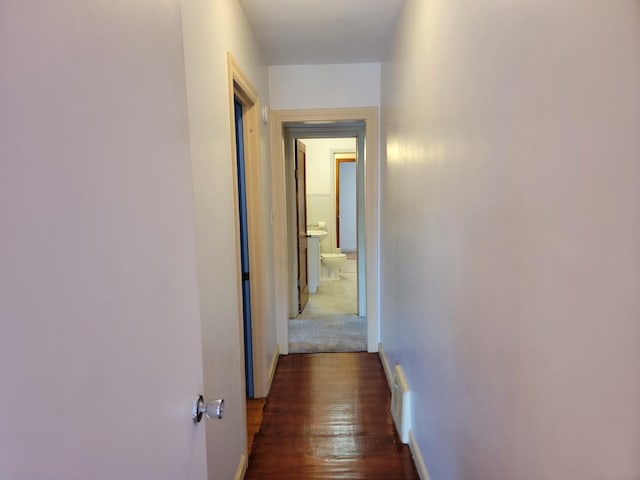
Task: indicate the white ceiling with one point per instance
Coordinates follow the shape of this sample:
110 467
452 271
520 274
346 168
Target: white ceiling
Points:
307 32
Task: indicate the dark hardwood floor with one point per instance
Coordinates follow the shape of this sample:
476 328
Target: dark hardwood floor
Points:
255 407
327 417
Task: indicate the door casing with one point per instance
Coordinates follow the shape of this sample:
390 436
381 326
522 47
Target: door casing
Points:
293 132
367 136
240 88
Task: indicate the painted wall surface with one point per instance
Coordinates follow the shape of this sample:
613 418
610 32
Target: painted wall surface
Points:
211 29
100 353
510 235
347 206
324 86
321 183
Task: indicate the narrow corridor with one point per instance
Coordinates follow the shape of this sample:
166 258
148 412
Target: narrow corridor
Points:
327 417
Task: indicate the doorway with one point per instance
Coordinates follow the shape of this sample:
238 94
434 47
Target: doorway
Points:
321 137
331 320
360 123
317 200
244 248
250 244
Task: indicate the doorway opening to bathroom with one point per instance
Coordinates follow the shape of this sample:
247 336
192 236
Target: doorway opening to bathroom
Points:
324 143
328 317
360 124
332 217
363 123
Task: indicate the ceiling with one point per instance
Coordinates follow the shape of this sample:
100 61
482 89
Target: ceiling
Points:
309 32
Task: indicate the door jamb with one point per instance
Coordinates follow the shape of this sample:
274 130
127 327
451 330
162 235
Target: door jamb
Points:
241 88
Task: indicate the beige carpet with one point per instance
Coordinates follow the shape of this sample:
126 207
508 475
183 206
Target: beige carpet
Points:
330 322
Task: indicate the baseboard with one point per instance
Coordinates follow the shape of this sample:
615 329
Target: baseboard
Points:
242 468
272 367
413 445
417 458
385 366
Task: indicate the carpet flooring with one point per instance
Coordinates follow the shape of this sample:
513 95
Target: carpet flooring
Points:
329 322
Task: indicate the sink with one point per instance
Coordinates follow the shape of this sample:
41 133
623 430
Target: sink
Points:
316 233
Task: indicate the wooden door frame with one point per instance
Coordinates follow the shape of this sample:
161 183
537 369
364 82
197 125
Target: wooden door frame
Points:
339 160
241 88
278 119
292 133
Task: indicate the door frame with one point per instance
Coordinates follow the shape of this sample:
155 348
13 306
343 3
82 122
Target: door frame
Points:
244 247
370 244
338 161
296 131
241 88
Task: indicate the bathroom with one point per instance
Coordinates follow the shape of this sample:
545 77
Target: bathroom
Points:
331 201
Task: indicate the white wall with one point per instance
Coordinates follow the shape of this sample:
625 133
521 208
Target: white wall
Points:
324 86
100 353
211 29
320 170
100 253
510 235
348 207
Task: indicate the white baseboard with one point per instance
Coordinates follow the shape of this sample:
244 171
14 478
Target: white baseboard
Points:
385 366
417 458
242 468
272 367
413 445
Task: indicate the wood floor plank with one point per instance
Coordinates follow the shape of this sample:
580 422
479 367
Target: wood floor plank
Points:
255 407
327 417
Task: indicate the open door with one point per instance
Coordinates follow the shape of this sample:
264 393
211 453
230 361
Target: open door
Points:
101 353
301 215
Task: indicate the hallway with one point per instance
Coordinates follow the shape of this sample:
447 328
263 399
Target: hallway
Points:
499 235
327 417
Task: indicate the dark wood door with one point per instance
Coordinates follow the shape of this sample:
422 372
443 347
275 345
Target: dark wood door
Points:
301 208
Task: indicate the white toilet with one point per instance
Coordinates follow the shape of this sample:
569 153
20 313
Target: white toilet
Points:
333 262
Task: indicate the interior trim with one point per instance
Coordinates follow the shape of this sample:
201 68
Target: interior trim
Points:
240 87
278 119
417 458
242 467
273 366
385 366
